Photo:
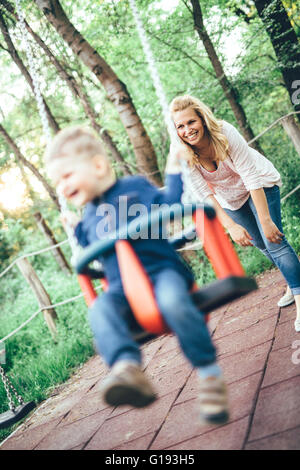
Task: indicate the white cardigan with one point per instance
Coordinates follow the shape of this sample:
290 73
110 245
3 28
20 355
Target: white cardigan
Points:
245 169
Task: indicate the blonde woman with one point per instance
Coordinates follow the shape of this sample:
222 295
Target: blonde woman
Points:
241 183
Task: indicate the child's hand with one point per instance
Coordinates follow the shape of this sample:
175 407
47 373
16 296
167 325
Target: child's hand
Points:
69 219
178 152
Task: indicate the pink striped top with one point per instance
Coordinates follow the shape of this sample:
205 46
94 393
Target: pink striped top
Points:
245 169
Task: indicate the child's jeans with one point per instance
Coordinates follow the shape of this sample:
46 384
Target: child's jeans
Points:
109 318
282 254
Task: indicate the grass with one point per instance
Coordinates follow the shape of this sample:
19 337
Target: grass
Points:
35 363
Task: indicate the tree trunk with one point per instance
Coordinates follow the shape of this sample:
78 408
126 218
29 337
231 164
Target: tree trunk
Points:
284 41
293 131
115 89
16 58
229 90
29 165
78 92
57 252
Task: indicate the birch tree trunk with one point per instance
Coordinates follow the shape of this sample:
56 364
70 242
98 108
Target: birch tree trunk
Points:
77 92
29 165
18 61
116 90
230 92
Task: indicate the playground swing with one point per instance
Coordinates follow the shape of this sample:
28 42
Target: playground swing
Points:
15 413
231 283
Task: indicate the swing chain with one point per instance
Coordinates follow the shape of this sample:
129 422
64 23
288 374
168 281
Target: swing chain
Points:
10 391
33 73
187 195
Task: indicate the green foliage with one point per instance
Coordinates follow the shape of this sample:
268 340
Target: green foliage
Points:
5 248
13 233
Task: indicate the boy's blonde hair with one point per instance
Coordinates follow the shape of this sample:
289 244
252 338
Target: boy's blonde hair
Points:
76 142
213 125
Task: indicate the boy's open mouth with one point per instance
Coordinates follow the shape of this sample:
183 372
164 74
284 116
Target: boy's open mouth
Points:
73 193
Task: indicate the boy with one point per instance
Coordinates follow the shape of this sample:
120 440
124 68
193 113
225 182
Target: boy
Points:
80 170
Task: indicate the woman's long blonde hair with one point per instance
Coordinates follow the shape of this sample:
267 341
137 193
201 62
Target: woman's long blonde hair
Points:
213 125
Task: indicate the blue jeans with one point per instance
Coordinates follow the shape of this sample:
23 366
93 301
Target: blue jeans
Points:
282 254
110 318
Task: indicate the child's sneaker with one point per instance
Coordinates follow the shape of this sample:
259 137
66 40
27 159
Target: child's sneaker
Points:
213 400
127 385
297 325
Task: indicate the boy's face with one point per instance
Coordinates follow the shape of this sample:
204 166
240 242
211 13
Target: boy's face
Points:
78 181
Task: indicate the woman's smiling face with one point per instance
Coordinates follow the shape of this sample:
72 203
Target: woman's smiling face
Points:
189 126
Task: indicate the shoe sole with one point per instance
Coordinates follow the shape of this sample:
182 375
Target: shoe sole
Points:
119 395
286 303
220 418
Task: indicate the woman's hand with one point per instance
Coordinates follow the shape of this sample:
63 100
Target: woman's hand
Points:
240 235
271 231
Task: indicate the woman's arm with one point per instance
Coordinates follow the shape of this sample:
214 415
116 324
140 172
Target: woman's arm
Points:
270 230
254 169
238 233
